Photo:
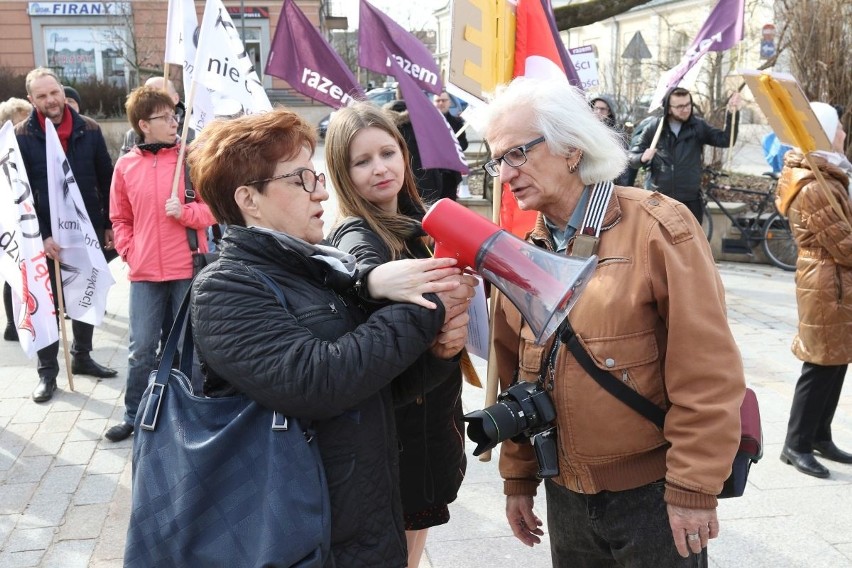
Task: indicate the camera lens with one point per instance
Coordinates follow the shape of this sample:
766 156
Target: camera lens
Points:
490 426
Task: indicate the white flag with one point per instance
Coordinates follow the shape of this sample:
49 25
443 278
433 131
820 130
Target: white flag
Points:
181 37
85 275
23 263
223 66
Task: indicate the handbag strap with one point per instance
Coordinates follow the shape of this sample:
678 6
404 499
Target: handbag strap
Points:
611 384
189 195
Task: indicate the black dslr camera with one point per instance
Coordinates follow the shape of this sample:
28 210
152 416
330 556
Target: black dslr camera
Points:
522 411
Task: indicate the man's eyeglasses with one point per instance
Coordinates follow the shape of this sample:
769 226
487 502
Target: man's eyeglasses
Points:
514 157
308 179
680 107
166 117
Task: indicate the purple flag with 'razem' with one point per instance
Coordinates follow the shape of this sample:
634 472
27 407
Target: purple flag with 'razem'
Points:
303 58
722 30
436 140
378 31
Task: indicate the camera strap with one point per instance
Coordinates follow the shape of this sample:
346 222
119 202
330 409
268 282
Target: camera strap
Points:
587 238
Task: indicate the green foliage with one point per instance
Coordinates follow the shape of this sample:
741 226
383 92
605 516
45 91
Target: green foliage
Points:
12 84
100 99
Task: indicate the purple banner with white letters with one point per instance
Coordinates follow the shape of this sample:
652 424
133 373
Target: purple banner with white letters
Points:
302 57
377 32
436 141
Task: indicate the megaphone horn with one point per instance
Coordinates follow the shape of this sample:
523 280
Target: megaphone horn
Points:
544 286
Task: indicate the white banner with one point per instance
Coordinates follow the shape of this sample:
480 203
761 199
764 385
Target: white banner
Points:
223 66
86 278
586 66
23 263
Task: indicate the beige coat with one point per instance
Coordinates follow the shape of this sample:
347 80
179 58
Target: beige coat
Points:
824 266
654 315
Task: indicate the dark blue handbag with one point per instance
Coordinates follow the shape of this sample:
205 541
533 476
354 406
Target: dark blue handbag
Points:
222 481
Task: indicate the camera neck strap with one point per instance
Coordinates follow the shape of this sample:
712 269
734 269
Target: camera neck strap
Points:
588 236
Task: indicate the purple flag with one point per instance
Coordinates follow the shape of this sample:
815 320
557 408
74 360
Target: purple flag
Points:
722 30
303 58
436 140
377 32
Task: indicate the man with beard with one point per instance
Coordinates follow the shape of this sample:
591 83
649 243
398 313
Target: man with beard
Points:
676 164
87 154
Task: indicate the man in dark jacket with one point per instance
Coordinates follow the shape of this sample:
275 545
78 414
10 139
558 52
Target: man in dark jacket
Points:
89 159
450 179
676 163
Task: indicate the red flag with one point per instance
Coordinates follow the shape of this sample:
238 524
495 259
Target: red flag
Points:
539 52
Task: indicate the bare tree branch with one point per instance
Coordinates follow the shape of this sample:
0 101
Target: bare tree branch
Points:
585 13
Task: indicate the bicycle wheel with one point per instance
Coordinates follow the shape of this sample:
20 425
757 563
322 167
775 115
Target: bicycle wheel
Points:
778 242
707 223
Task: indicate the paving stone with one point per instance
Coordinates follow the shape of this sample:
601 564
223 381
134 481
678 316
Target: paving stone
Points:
58 421
63 479
45 511
20 559
88 430
109 460
98 488
15 496
83 522
29 468
47 444
30 539
76 452
69 554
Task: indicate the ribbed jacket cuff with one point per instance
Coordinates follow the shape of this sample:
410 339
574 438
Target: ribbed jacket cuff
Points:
681 497
520 487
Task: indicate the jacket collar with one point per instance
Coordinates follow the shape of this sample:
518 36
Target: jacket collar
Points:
540 234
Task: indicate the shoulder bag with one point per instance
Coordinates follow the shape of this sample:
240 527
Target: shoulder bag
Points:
222 481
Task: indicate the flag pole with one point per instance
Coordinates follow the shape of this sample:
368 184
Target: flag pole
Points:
731 143
183 136
58 273
492 381
166 75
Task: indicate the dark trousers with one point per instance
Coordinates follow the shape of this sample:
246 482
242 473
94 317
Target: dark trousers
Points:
613 528
814 402
48 366
697 208
7 304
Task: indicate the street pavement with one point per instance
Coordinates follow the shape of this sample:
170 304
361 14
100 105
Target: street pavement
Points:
65 491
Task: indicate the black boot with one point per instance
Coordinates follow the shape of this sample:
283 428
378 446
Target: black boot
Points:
44 391
11 333
88 366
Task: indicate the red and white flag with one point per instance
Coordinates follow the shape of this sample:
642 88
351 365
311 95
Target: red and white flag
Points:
86 277
23 264
540 53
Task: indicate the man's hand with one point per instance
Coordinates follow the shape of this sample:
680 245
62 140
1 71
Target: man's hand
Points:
452 338
524 523
735 102
109 239
51 249
174 208
648 155
692 528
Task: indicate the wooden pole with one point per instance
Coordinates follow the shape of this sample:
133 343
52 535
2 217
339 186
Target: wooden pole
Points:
166 76
183 136
658 132
492 381
62 326
823 185
731 143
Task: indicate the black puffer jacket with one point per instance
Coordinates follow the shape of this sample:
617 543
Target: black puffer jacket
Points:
89 160
677 166
322 359
430 429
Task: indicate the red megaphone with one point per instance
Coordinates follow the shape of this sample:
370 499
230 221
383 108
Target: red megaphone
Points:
543 285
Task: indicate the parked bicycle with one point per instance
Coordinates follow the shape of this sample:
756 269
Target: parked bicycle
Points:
761 224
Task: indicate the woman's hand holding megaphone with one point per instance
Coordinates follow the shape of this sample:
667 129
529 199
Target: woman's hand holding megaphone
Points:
407 280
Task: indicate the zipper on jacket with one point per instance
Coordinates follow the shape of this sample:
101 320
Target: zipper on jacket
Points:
333 307
838 277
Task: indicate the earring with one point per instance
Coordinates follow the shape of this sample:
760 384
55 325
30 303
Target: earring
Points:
573 167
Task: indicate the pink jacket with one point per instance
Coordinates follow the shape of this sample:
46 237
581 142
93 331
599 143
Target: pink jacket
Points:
153 244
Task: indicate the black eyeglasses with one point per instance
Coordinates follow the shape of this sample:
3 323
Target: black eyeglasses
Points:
166 117
514 157
680 107
308 179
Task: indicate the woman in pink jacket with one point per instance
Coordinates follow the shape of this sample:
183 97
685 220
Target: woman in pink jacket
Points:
151 229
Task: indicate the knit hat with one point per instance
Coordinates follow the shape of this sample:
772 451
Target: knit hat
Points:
71 93
827 116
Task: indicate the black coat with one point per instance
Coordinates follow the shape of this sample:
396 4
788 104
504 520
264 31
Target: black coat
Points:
320 359
89 160
430 429
677 167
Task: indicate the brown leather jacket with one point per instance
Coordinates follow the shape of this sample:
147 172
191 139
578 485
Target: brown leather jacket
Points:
653 315
824 266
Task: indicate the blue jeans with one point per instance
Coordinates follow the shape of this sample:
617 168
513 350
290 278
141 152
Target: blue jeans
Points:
613 528
148 304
